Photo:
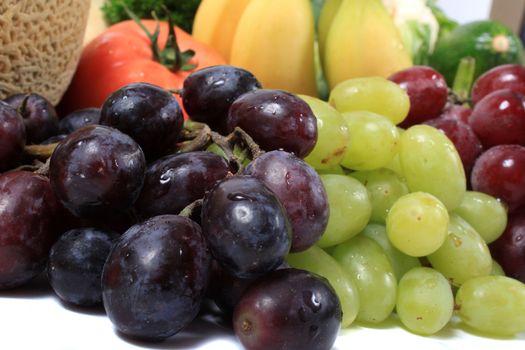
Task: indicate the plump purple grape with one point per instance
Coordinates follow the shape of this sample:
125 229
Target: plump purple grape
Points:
246 226
465 140
288 309
175 181
12 136
457 112
53 139
39 115
208 93
29 225
499 118
300 190
155 277
275 119
509 249
74 268
78 119
97 170
500 172
427 90
149 114
507 76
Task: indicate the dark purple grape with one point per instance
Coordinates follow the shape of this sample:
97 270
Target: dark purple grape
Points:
208 93
427 90
299 189
39 115
149 114
275 119
29 219
175 181
78 119
509 249
155 277
74 268
246 227
53 139
12 136
288 309
97 170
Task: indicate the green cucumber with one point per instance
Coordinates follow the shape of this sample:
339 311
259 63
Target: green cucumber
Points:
490 43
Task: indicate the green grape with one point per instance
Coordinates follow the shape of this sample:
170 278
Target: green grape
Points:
332 135
336 169
431 163
417 224
365 261
373 141
316 260
384 188
400 262
463 255
395 165
425 302
373 94
496 270
493 305
485 213
350 209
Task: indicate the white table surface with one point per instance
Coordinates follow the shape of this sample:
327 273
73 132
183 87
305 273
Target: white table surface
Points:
33 318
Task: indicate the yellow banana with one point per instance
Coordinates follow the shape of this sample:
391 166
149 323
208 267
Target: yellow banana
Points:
362 41
216 22
275 41
326 17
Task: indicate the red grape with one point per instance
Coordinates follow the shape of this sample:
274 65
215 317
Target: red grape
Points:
500 172
12 136
507 76
457 112
427 91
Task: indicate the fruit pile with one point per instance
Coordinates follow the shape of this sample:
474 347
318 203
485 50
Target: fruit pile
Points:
293 215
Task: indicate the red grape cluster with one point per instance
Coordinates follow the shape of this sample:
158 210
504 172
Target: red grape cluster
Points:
150 216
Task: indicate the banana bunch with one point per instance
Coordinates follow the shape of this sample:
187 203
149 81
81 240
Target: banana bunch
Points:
273 39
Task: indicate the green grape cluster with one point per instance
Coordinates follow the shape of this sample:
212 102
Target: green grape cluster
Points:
405 236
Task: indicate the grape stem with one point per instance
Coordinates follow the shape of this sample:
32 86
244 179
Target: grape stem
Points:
190 208
463 80
40 151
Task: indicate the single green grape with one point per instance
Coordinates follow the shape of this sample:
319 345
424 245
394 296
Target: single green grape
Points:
417 224
335 170
373 141
492 304
463 255
485 213
431 163
384 187
316 260
496 270
350 209
332 135
366 263
425 302
373 94
401 263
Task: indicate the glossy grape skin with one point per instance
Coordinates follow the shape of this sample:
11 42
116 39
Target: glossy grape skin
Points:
149 114
29 225
304 312
494 305
97 170
427 91
275 119
457 112
507 76
465 140
78 119
246 226
208 93
155 277
509 249
301 192
500 172
499 118
12 136
74 268
175 181
39 115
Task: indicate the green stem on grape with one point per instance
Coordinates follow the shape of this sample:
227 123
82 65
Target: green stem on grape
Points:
464 79
196 136
190 208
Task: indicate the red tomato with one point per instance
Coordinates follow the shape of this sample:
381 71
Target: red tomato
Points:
123 55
